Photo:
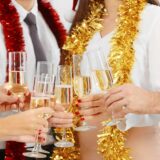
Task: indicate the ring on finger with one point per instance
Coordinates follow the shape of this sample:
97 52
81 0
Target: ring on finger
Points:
124 107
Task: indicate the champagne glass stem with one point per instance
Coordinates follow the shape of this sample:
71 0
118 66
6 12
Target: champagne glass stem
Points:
36 149
64 134
36 146
114 121
63 96
84 123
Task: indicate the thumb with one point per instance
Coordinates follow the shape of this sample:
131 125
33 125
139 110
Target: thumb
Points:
9 99
3 89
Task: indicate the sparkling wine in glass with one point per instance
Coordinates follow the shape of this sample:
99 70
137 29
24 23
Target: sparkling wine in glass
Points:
103 78
49 69
46 74
102 74
82 84
17 73
63 96
41 97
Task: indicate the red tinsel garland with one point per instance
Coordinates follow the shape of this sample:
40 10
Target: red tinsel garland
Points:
52 19
14 151
14 41
12 29
74 4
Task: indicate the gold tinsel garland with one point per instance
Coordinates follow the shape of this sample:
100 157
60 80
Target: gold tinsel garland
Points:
77 43
82 33
111 141
122 54
71 153
121 60
111 144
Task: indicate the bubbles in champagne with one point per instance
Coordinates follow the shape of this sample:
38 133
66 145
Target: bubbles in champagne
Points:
63 94
103 79
16 77
16 83
82 85
39 101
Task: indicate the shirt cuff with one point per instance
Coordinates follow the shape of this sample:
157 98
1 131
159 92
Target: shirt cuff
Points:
133 120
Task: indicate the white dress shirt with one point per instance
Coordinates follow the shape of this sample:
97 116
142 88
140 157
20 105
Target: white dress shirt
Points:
65 11
46 37
146 69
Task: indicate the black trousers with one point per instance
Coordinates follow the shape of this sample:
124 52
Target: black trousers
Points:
2 155
48 148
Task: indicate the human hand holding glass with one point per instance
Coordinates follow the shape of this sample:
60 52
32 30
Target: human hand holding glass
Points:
82 84
102 74
63 96
24 127
17 74
41 97
7 102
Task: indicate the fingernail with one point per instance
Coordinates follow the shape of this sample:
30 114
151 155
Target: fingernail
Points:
82 119
39 132
79 101
9 93
77 113
40 139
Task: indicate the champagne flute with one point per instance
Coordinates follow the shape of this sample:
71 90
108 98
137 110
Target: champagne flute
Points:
46 74
102 74
17 71
48 68
63 96
82 84
40 98
45 67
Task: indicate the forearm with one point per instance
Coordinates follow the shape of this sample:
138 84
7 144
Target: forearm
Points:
3 130
155 109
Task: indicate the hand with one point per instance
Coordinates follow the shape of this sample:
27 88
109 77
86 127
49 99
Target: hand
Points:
25 123
24 102
92 105
9 102
26 139
6 102
129 99
60 118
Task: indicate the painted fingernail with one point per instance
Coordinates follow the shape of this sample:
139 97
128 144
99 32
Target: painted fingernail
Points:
39 132
82 119
79 101
77 113
40 139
